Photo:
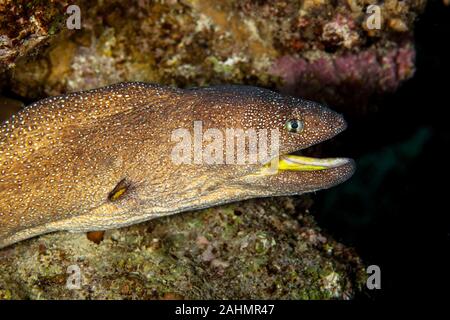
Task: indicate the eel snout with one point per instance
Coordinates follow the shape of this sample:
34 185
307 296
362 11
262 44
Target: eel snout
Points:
289 173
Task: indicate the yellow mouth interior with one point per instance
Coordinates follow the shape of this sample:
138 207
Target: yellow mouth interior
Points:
299 163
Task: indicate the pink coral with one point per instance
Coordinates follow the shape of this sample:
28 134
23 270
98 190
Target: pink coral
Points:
348 78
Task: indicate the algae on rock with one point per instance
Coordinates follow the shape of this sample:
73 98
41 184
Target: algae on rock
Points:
257 249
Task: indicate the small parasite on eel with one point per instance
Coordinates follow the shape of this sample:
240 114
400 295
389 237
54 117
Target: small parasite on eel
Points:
101 159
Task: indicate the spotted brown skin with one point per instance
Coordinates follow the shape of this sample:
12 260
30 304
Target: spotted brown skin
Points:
101 159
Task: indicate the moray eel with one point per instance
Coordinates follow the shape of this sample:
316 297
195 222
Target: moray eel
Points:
102 159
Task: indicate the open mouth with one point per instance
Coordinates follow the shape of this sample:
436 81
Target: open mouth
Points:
291 162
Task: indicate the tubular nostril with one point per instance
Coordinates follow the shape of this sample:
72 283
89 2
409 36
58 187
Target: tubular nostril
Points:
324 122
334 121
341 124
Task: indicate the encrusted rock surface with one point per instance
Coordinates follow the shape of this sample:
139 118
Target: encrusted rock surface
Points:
26 25
316 49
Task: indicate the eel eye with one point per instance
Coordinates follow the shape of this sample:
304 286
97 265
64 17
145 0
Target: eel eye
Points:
294 125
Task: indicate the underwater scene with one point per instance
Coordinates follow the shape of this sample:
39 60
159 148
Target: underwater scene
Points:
224 150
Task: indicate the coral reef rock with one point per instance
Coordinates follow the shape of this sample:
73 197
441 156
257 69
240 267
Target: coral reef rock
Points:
258 249
321 50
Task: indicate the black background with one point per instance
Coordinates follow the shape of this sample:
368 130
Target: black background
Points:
403 226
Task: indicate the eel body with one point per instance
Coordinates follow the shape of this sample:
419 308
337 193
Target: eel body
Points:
104 158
